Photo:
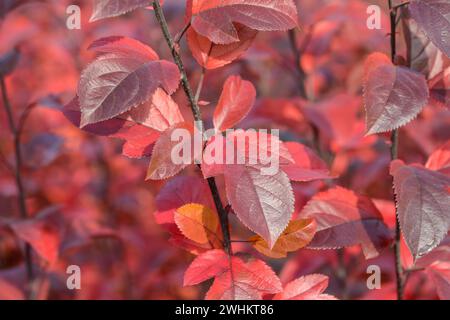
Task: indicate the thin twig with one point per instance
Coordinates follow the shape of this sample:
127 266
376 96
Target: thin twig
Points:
19 180
394 156
223 216
202 76
400 5
200 85
181 34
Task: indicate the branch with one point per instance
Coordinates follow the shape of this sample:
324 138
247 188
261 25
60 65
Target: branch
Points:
297 56
394 155
18 178
180 35
223 216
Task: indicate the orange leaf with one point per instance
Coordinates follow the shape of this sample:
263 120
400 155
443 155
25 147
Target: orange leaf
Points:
296 236
197 222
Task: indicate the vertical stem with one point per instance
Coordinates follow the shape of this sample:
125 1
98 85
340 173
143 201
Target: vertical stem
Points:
394 155
223 215
297 55
177 58
18 176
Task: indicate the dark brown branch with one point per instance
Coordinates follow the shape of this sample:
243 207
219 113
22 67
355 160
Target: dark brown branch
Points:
400 5
297 56
18 178
223 216
394 155
180 35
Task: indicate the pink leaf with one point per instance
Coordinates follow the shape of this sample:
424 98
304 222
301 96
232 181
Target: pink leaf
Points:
310 287
248 147
234 278
346 219
422 203
206 266
236 100
123 45
264 203
215 19
163 165
244 281
393 96
159 113
306 166
113 8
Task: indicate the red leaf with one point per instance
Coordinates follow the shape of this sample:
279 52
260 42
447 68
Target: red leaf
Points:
113 8
346 219
162 165
422 204
439 160
310 287
206 266
307 166
120 81
43 233
159 113
212 56
236 100
234 278
440 273
10 292
215 19
243 147
433 16
123 45
246 281
393 96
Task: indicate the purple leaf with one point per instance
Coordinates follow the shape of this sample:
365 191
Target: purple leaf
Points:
423 203
120 81
264 203
433 16
214 19
346 219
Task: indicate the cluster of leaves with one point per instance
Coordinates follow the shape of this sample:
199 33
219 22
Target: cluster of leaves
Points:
333 189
